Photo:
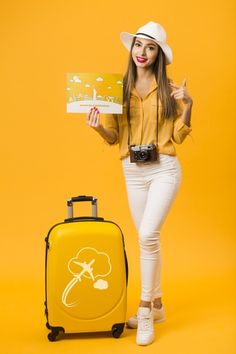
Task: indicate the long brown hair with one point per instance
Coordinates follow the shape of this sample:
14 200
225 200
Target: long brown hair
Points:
169 105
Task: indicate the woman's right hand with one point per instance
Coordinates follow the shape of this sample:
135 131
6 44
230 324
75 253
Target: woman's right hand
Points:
93 118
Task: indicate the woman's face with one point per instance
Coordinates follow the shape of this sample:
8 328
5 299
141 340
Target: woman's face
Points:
144 52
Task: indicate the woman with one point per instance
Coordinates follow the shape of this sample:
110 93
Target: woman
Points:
152 120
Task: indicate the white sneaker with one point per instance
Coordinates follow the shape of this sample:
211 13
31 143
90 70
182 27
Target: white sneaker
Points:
145 331
158 316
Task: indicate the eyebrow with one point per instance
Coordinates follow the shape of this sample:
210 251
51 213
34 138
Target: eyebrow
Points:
150 43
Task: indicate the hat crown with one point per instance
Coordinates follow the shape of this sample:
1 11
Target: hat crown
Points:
154 30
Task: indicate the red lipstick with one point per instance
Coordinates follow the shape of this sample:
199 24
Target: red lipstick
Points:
141 59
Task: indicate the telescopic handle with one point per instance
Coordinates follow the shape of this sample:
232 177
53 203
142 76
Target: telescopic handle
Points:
82 198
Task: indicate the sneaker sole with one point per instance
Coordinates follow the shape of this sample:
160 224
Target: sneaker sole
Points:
145 344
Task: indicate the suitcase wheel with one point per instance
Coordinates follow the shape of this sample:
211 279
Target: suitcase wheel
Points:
117 330
55 331
52 336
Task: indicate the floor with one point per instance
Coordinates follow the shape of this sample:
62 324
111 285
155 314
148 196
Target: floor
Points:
203 324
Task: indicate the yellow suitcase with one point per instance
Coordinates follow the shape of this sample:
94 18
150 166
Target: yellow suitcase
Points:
86 275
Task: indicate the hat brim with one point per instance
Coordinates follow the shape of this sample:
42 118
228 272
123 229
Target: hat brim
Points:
127 39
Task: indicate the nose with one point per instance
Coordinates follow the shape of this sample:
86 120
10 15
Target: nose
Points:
143 51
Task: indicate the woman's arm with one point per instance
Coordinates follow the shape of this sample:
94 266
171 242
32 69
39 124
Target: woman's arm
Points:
93 120
186 115
181 93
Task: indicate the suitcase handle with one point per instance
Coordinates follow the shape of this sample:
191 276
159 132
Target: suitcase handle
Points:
84 218
82 198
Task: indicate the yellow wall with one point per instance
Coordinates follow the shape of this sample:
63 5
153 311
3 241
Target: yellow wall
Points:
48 155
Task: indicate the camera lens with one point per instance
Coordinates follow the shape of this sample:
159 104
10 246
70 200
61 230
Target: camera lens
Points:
143 155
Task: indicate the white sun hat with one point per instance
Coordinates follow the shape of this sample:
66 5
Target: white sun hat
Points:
151 30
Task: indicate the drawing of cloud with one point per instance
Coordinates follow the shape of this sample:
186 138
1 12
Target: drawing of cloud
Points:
119 82
109 87
76 79
99 263
87 85
68 88
99 79
101 284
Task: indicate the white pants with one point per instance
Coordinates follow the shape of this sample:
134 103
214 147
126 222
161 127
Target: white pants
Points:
151 189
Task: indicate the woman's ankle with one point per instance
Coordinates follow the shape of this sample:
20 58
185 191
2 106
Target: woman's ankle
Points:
145 304
157 304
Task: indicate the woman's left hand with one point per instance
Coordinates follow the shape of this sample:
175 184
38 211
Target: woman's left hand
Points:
181 93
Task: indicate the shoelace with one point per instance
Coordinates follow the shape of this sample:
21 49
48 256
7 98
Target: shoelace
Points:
144 323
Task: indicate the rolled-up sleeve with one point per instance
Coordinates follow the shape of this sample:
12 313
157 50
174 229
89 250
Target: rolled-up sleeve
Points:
180 131
111 124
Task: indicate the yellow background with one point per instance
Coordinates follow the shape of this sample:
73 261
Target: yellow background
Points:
48 156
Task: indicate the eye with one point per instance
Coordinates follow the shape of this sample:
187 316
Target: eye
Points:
137 44
151 48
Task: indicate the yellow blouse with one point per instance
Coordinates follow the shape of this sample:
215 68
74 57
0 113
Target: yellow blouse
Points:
143 123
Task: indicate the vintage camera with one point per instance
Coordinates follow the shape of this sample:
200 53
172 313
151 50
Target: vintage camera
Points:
143 153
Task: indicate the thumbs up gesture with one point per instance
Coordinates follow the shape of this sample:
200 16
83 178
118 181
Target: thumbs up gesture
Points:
180 92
